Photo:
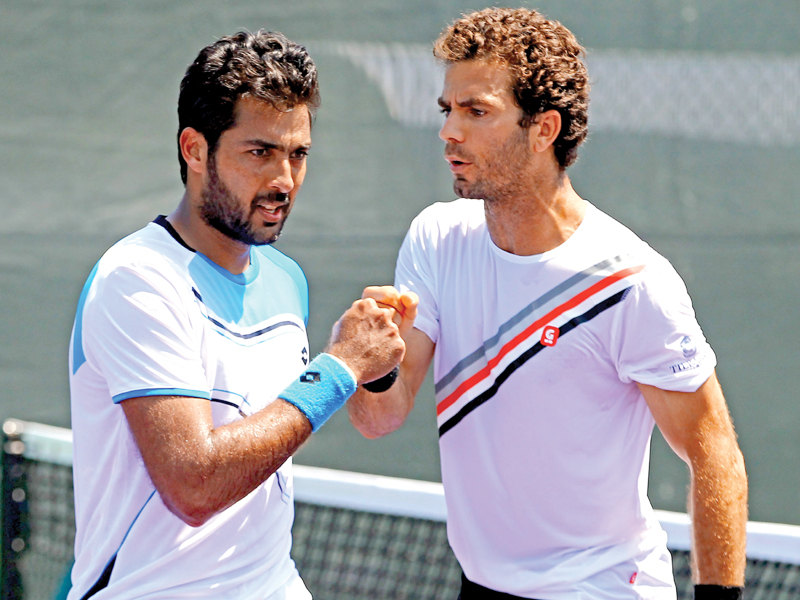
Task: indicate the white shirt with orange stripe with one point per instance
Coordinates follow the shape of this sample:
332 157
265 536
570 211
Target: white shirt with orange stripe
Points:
544 435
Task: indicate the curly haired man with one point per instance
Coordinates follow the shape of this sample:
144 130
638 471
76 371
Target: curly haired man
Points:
558 340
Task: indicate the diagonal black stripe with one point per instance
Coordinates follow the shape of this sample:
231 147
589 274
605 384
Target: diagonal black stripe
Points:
489 344
526 356
594 311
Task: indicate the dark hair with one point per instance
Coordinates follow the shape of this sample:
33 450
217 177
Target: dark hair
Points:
545 62
264 65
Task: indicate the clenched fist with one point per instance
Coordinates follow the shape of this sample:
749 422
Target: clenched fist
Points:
368 340
403 305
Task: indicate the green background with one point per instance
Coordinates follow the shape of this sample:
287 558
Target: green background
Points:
88 91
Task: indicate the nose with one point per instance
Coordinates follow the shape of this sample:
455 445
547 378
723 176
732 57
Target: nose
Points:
283 179
451 130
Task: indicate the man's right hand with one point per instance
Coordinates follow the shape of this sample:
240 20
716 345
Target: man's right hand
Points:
404 305
376 414
368 340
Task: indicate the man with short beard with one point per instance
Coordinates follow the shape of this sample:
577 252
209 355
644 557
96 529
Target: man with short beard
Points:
558 339
190 377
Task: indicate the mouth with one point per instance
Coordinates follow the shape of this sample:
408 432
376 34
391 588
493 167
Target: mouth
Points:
456 164
272 213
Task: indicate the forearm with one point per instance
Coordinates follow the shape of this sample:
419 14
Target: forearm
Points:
699 429
376 415
249 451
718 506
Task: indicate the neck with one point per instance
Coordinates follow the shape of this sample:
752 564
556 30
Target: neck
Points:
538 220
216 246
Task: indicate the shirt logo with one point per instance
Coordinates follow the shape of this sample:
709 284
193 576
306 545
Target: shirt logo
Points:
304 356
550 336
309 377
688 346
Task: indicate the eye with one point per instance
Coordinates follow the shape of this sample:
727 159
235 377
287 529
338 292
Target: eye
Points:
259 152
445 110
300 154
477 112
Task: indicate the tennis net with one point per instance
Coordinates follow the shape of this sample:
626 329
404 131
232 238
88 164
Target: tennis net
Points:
356 536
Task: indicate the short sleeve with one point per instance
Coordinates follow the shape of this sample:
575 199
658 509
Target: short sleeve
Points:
416 272
656 339
137 333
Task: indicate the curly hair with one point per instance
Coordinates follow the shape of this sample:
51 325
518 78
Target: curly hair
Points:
264 65
545 62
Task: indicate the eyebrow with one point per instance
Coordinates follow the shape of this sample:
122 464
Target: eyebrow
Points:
275 146
469 102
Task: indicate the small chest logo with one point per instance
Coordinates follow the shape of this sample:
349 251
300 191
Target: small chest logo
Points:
304 356
550 336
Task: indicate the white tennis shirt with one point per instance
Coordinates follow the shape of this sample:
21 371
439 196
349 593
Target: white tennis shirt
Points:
544 434
155 319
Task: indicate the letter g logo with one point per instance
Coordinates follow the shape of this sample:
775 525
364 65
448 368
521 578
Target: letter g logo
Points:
550 336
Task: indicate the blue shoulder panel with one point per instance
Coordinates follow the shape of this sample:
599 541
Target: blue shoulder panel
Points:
78 357
295 271
273 285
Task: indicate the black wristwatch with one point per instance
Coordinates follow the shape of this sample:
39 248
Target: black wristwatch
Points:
707 591
384 383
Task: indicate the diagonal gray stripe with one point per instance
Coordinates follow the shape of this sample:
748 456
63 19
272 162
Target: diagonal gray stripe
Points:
489 344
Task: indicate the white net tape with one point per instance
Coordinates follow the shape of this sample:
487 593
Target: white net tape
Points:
406 497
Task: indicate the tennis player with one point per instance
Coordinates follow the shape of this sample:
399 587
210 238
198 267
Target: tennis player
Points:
558 339
190 373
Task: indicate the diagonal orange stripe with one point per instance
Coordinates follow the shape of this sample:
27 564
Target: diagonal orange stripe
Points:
528 331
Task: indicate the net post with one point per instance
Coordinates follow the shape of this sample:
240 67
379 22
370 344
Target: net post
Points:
15 524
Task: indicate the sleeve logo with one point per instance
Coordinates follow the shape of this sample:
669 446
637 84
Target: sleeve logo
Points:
550 336
688 347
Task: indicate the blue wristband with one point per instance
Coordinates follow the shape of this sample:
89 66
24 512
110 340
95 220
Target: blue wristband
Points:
321 389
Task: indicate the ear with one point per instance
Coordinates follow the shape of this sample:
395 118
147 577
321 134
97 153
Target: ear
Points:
545 130
194 149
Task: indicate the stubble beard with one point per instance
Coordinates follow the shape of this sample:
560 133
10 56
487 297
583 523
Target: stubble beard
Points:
223 211
501 176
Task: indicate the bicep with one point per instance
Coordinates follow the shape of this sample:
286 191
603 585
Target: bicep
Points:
172 434
693 423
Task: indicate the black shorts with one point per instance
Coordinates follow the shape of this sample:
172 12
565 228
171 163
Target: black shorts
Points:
473 591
